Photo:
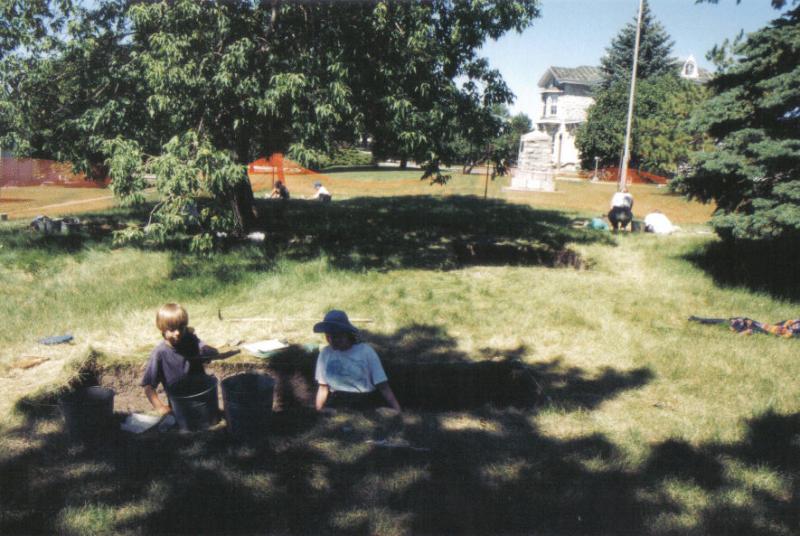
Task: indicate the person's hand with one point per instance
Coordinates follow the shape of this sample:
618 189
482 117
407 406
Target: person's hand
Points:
164 410
225 353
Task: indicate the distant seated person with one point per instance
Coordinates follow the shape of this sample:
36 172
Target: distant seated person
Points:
349 372
658 223
621 213
179 355
280 191
321 193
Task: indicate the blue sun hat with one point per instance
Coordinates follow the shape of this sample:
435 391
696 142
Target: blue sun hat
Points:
335 321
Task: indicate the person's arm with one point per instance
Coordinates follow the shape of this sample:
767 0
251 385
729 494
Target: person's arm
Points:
151 379
155 401
388 394
204 351
322 396
378 376
225 355
207 351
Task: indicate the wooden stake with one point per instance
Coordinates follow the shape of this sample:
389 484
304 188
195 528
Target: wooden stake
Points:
274 319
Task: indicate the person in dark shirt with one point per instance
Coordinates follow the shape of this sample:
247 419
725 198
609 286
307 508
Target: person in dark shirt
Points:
621 213
280 191
180 354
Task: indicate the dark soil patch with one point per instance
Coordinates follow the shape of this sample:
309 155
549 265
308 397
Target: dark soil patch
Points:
494 253
429 386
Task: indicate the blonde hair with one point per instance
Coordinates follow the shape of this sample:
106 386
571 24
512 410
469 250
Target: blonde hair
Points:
171 316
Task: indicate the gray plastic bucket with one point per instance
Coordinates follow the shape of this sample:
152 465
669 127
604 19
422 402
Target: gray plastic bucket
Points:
88 412
194 402
247 399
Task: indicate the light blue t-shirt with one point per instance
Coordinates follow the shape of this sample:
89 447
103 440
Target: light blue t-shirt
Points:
356 370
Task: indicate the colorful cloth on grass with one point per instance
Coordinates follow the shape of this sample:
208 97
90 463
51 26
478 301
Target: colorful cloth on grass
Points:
741 324
785 328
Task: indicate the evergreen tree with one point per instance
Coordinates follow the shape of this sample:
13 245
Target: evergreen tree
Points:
661 138
655 51
753 171
661 143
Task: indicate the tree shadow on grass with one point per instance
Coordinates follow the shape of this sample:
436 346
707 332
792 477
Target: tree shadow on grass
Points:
487 470
484 468
423 232
772 268
410 232
32 250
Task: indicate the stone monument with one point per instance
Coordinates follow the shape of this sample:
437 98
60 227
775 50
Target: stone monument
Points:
534 169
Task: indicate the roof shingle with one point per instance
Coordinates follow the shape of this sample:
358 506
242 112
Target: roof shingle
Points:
585 74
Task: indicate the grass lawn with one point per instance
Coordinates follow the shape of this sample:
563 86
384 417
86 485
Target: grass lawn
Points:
29 201
578 196
644 423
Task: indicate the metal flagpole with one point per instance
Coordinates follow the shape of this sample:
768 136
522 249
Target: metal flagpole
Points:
626 156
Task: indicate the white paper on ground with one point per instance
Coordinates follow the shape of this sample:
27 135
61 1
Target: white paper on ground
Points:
139 422
263 347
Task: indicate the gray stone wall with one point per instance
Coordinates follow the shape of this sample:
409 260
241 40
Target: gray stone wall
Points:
573 107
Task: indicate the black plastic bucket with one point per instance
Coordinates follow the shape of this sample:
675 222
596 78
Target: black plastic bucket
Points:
88 412
247 399
194 402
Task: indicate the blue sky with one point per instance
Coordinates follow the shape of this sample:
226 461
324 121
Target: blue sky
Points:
576 32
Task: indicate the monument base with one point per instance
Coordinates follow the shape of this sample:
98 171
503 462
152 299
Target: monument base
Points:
533 181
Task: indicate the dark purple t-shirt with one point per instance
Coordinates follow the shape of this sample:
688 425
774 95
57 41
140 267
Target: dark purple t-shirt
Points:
167 365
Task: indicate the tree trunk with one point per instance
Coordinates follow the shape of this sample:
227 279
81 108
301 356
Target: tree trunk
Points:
243 206
243 202
403 163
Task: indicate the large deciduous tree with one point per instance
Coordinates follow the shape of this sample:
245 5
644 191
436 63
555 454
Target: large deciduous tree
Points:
753 171
191 90
491 137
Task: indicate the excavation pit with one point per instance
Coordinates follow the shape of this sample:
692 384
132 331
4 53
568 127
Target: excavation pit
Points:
451 386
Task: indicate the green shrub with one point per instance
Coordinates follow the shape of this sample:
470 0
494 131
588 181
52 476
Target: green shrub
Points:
346 156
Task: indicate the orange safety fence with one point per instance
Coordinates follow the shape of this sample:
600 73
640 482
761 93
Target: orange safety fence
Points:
37 172
22 179
635 176
264 172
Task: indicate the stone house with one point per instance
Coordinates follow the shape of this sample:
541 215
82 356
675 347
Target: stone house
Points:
566 94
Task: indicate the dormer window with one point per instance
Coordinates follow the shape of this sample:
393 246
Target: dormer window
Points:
689 68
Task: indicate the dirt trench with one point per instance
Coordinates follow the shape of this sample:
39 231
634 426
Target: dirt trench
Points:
422 386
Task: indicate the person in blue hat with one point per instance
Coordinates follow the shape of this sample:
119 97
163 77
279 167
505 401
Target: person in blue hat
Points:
321 193
349 372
